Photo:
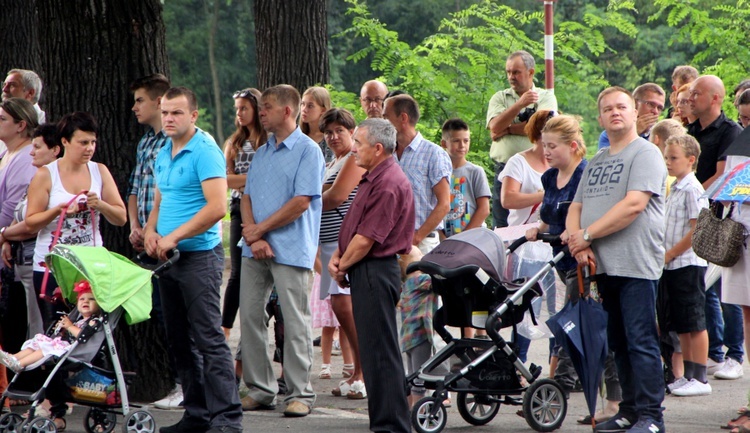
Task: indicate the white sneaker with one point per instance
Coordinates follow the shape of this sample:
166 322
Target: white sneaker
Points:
713 366
693 388
732 370
173 401
679 383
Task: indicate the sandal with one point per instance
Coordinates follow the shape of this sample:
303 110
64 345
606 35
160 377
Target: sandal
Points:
348 371
357 391
342 390
325 371
60 424
737 421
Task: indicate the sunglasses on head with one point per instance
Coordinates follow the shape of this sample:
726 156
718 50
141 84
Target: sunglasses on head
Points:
247 94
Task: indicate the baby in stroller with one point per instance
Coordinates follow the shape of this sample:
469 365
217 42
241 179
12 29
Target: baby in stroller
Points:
41 347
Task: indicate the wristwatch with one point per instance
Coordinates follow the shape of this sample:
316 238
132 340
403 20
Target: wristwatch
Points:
586 236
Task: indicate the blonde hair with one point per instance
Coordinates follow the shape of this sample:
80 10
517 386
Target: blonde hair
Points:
667 128
688 144
321 97
569 129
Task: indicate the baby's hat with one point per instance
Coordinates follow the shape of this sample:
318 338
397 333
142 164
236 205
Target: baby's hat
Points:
82 287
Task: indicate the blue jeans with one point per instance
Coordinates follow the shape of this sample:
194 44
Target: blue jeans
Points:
633 337
725 327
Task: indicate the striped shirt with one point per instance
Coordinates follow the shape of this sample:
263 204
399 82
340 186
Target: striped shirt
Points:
683 205
425 164
330 221
142 179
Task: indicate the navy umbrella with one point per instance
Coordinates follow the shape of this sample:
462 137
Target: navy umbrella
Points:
581 328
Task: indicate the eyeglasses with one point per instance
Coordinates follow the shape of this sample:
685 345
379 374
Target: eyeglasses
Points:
369 101
681 102
247 94
653 105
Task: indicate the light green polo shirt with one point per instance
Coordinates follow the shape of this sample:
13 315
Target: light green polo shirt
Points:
508 145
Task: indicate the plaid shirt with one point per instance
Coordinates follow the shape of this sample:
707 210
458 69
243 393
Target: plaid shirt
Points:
425 164
142 180
683 204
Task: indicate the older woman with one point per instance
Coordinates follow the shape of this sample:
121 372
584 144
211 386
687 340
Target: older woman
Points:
57 183
18 119
339 188
19 241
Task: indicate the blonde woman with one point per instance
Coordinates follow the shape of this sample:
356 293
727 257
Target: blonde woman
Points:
315 101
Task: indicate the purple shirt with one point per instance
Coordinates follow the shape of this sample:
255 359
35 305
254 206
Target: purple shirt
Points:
14 181
383 211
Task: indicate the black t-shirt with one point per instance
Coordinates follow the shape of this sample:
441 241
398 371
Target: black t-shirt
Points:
714 140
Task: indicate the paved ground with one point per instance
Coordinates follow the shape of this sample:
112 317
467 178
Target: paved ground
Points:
337 414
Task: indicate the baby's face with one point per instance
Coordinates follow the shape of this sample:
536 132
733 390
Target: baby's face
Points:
87 305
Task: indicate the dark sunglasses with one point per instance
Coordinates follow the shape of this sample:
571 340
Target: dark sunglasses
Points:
245 94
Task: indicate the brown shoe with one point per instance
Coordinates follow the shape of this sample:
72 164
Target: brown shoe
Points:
297 409
249 404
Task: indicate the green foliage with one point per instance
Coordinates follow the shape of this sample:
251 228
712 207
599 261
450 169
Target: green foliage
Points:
721 27
455 71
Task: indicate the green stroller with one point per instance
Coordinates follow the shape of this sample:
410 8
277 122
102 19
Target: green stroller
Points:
121 288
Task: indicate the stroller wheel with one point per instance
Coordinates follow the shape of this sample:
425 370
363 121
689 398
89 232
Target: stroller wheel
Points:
39 424
422 418
544 405
139 421
477 409
11 423
99 421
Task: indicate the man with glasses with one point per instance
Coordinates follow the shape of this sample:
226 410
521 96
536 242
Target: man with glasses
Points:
649 102
371 97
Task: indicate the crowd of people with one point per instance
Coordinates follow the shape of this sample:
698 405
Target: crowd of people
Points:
322 208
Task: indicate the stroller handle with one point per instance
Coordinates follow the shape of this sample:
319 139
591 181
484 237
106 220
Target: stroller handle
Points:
172 257
553 240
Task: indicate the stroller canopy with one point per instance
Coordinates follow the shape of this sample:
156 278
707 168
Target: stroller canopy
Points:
480 246
115 281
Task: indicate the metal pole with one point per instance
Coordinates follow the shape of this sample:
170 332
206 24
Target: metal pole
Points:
549 55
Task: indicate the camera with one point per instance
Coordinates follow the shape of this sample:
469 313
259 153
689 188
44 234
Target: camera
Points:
526 114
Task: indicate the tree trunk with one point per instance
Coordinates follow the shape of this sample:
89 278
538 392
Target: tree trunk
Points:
213 24
292 42
20 44
90 52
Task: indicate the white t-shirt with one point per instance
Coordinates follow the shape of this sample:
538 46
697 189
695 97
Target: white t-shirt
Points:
519 169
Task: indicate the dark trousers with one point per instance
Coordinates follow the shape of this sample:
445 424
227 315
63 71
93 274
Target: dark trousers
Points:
232 292
376 288
499 213
190 297
632 336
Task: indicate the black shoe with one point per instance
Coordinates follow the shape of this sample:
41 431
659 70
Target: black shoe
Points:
225 429
186 426
617 424
316 342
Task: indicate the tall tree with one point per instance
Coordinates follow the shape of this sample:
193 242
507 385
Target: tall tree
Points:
20 46
292 42
90 53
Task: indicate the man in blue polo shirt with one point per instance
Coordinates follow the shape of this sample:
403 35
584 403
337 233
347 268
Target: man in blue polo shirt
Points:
281 210
190 200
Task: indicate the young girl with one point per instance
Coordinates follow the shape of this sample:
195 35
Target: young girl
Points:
315 101
41 346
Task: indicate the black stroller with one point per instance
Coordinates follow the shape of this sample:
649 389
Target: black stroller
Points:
466 271
89 372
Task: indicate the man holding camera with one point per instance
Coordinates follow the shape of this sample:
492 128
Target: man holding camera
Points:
507 114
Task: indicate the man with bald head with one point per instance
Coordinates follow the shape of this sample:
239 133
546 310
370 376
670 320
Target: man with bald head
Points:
371 97
715 132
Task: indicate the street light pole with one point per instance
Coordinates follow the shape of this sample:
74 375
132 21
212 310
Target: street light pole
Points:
549 54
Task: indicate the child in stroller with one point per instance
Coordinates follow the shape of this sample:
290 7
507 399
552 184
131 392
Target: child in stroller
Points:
41 347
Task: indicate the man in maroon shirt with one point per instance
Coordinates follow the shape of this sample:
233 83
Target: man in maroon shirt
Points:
378 226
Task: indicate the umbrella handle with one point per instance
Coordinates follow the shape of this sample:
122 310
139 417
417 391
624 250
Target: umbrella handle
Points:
585 270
